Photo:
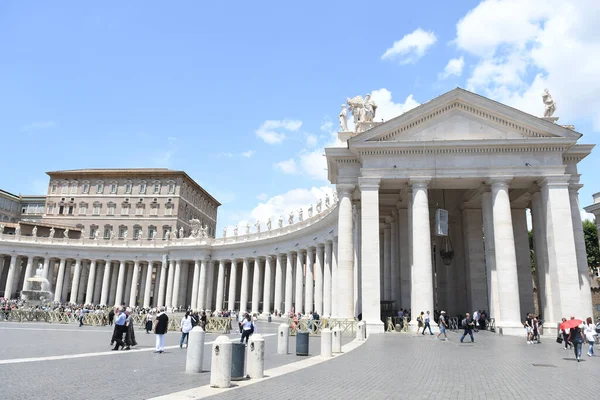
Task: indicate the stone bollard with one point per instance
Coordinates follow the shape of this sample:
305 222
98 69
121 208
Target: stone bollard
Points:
283 339
220 363
337 340
195 351
398 328
360 331
326 342
256 357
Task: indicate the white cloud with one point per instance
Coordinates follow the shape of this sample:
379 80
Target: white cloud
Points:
286 166
386 108
453 68
272 131
225 154
524 47
248 154
327 125
314 164
38 126
262 197
311 140
411 47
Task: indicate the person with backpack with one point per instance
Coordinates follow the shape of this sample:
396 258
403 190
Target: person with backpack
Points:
247 328
467 324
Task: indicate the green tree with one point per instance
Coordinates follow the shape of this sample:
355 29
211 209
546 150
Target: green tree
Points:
592 248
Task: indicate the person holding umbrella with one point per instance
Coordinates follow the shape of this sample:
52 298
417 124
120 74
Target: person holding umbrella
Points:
575 335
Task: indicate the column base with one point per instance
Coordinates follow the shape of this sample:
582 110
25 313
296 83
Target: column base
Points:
511 329
376 327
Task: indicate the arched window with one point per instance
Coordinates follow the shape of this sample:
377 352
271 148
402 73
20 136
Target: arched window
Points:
114 185
86 187
143 187
73 187
156 187
128 186
100 187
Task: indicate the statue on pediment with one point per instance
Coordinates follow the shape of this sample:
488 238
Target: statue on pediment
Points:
343 119
319 203
196 226
247 228
327 204
549 103
224 232
300 215
113 234
363 110
310 211
269 224
96 234
168 234
235 231
18 230
181 233
257 226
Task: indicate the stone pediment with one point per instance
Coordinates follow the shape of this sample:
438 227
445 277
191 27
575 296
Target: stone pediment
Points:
462 115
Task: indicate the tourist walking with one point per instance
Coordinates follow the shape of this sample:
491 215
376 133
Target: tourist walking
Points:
148 322
427 320
161 325
247 328
443 325
590 335
203 320
467 324
129 332
476 315
576 337
186 327
120 320
528 325
420 321
111 316
565 335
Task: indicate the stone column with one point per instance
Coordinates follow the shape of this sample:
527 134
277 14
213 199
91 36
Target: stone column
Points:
562 253
403 238
490 254
105 283
395 267
112 295
120 283
244 288
10 278
232 285
309 283
210 279
75 284
98 284
256 287
521 234
357 266
51 273
28 271
335 305
171 275
387 260
46 267
176 284
83 277
66 281
148 285
345 268
582 265
220 286
319 279
202 286
59 279
142 285
267 285
422 272
369 193
162 282
289 282
128 283
327 280
89 294
506 260
475 259
278 294
299 281
156 290
195 280
134 284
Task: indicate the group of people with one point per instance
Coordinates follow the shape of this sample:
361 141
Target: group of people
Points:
468 324
575 337
123 320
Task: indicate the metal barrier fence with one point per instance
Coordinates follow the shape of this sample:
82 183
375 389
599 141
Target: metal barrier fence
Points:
314 327
213 324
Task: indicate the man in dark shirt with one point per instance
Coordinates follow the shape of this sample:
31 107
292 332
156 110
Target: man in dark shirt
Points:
467 324
111 316
160 329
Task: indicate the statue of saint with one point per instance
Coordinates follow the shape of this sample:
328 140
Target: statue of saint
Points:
96 234
280 221
549 103
327 200
310 211
125 235
203 231
181 232
300 216
257 226
368 110
18 230
51 235
140 234
235 231
168 234
247 228
224 232
113 235
34 231
319 206
1 228
291 218
269 224
66 233
343 119
82 235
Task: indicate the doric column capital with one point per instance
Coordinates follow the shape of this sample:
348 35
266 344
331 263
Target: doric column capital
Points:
369 183
555 181
574 188
420 183
499 181
345 189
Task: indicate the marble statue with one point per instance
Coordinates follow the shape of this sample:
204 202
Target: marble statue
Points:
291 218
269 224
368 110
34 231
51 235
113 234
224 232
335 197
204 231
326 200
1 228
343 119
181 233
319 206
363 110
257 226
66 233
300 216
280 221
197 229
168 235
549 103
140 234
125 235
18 230
247 228
235 231
97 234
83 233
310 211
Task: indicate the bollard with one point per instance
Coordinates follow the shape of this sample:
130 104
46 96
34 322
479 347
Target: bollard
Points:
195 351
301 343
283 339
337 340
360 331
238 361
256 357
326 342
398 328
220 364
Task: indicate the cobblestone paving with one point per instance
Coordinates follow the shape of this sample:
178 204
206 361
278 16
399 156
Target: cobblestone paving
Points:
118 375
395 366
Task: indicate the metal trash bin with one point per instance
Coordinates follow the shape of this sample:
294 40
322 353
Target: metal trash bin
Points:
238 361
269 318
301 343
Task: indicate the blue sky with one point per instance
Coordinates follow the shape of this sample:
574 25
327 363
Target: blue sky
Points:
193 85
